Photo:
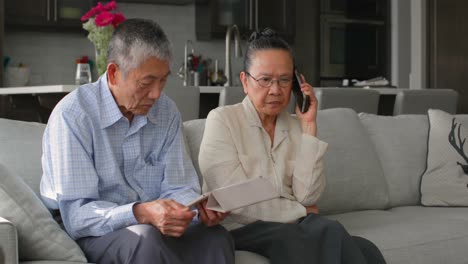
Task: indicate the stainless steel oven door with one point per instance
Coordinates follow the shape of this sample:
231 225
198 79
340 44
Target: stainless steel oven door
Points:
351 48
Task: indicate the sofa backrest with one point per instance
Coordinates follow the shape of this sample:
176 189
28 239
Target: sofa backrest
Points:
355 179
401 144
193 133
21 144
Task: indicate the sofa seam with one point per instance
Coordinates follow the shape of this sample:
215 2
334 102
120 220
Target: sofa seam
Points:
425 243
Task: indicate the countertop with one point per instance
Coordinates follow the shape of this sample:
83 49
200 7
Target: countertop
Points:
68 88
38 89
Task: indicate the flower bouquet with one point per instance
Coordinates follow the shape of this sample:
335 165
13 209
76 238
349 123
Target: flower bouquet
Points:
100 22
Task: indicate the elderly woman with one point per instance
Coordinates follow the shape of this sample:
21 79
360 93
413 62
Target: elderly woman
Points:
259 138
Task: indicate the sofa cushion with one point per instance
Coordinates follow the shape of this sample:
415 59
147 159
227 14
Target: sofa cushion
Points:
193 132
47 262
413 234
23 144
247 257
445 181
39 236
401 145
8 242
354 175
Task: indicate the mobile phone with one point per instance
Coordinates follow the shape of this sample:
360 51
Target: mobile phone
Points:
302 100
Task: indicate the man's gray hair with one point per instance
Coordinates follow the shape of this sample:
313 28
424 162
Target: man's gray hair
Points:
134 41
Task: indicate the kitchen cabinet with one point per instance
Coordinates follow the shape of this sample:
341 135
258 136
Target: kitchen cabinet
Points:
159 2
355 9
447 41
354 40
3 99
46 13
212 17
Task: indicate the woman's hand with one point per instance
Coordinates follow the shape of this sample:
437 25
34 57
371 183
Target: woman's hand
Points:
308 119
209 217
312 209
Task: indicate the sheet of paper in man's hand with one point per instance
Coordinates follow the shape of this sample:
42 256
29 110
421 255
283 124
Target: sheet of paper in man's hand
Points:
238 195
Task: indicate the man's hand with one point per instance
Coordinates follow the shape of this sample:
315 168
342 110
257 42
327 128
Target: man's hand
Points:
170 217
209 217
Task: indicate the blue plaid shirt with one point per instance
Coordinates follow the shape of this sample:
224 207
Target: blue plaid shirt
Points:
96 164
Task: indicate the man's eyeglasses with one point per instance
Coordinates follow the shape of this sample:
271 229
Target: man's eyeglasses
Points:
267 82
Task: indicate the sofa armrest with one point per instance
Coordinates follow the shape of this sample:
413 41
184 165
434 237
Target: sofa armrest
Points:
8 242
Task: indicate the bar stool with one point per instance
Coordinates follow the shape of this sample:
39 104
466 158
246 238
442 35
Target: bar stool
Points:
419 101
358 99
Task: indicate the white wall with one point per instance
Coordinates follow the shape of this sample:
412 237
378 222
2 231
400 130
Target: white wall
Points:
51 56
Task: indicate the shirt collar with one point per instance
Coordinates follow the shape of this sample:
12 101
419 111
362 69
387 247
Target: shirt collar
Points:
110 112
254 119
153 112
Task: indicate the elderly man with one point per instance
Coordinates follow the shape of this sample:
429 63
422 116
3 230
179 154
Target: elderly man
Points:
115 165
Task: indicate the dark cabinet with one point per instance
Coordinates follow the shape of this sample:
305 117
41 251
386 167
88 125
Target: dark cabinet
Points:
354 40
159 2
214 16
278 15
355 9
46 13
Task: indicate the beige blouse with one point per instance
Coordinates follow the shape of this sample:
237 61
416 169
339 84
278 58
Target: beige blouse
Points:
235 147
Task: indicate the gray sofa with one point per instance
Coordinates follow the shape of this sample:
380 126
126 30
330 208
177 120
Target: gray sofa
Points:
373 167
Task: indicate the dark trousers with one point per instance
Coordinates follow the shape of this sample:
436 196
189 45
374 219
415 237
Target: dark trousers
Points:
315 239
145 244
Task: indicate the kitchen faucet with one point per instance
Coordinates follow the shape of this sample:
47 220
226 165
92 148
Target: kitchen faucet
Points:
237 51
185 60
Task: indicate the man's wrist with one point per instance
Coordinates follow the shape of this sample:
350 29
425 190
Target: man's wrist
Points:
139 211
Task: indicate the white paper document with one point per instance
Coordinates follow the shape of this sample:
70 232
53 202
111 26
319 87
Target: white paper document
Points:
238 195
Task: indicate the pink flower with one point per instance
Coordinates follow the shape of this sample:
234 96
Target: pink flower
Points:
85 17
95 10
88 15
99 8
110 6
103 19
104 15
118 18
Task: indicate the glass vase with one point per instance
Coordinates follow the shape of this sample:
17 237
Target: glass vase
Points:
101 61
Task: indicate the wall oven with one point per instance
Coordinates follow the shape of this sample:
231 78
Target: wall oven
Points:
352 48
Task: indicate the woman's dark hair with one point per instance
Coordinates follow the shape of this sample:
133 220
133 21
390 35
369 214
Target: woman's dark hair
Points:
263 40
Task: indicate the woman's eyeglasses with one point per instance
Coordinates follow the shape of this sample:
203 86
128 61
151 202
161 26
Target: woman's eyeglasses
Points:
267 82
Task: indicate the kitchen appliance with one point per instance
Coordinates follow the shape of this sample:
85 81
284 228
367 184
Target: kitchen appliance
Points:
352 48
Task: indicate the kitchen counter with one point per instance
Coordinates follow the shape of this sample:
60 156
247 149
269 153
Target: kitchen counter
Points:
211 89
37 89
44 98
68 88
383 91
